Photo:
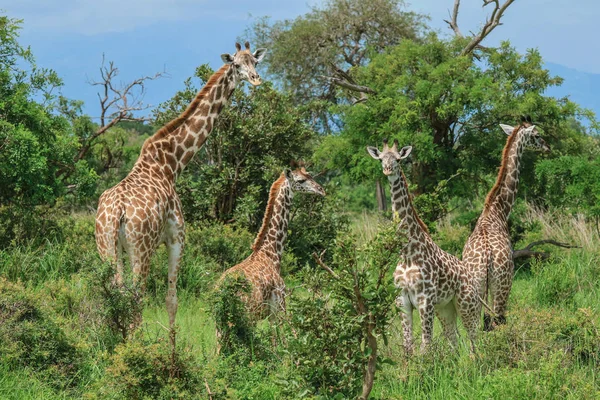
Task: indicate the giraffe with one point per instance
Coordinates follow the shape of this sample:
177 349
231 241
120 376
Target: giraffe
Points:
143 211
262 268
488 251
429 279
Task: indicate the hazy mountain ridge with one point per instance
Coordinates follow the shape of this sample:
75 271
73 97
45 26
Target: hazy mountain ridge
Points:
581 87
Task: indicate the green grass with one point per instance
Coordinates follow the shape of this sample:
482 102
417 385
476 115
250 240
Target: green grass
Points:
548 349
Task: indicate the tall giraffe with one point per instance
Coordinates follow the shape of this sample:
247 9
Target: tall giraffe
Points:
143 210
262 268
429 279
488 252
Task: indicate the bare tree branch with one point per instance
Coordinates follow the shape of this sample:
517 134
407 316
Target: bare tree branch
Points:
453 22
348 85
319 260
527 251
117 102
343 79
491 23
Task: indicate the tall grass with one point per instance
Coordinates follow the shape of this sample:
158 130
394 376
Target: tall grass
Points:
549 348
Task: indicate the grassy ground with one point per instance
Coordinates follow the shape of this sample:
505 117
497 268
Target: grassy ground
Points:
548 349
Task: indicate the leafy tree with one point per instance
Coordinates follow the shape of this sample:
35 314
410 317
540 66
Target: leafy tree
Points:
448 107
253 140
572 183
313 53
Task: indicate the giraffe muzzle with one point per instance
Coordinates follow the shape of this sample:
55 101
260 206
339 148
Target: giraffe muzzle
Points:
255 80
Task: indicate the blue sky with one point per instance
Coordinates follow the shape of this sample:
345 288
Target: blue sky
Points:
147 36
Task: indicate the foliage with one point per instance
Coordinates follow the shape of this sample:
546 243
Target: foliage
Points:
572 183
339 34
340 322
211 248
236 329
252 140
122 303
31 338
315 223
447 107
140 369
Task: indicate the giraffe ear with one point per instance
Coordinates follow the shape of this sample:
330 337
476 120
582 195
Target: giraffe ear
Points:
259 54
373 152
404 152
288 174
227 58
507 129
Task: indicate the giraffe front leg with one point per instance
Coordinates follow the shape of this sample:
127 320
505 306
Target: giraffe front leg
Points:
426 312
406 315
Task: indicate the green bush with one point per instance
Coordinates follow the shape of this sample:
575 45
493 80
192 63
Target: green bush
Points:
31 338
236 328
141 369
314 226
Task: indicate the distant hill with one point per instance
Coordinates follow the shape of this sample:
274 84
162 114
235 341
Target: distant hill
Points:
582 87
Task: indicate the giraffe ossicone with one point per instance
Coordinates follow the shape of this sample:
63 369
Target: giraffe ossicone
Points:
143 211
430 280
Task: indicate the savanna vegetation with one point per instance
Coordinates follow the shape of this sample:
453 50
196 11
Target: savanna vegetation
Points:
344 76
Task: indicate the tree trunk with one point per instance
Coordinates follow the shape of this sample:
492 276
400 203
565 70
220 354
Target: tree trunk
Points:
369 375
380 194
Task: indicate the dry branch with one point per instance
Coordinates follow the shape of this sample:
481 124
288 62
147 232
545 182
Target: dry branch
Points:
349 85
319 260
527 251
491 23
117 102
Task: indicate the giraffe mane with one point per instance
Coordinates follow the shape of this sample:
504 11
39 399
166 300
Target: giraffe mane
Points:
268 212
170 126
503 167
419 220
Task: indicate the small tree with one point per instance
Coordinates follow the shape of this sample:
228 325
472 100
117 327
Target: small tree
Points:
354 301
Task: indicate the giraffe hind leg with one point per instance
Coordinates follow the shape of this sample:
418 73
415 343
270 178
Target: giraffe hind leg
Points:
447 316
500 290
406 313
426 312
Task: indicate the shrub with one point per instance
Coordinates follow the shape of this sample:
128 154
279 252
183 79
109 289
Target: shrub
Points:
337 327
236 330
141 369
30 337
122 305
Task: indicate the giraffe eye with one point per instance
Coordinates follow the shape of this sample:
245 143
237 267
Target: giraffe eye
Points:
301 180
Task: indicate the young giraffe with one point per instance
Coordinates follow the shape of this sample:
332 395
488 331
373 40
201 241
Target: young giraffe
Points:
262 268
429 278
488 252
143 210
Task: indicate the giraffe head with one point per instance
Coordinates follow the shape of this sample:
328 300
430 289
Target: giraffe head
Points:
301 181
531 135
244 63
389 156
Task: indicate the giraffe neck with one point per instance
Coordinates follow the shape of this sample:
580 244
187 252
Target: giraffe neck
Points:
173 146
273 232
502 196
402 205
